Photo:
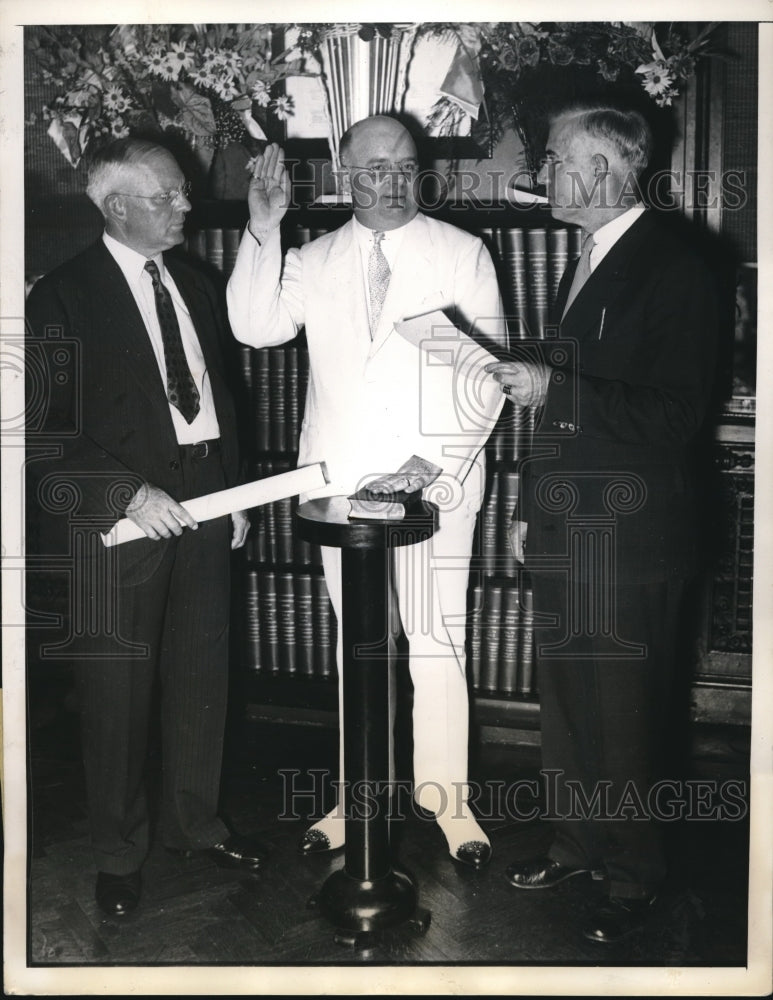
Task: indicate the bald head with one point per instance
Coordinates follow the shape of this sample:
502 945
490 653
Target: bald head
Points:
379 157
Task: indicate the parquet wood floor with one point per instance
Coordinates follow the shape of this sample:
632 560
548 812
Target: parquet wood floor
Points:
194 913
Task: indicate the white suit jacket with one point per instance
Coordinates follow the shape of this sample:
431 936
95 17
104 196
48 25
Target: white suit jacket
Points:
371 404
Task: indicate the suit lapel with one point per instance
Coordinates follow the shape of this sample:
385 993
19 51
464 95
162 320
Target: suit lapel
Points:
344 271
125 326
606 285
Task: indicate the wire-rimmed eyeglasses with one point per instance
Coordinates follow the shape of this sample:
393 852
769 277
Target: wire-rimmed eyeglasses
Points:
163 197
379 171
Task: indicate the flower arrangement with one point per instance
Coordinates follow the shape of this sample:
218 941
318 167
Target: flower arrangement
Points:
522 65
214 84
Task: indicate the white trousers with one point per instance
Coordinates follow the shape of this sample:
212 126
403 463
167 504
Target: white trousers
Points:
429 592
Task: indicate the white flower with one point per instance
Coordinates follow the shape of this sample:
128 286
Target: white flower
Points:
231 58
209 57
260 93
169 70
657 79
179 54
114 98
156 62
118 128
283 108
202 77
226 88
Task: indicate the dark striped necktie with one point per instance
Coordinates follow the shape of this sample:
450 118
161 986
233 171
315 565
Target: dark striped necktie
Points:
180 386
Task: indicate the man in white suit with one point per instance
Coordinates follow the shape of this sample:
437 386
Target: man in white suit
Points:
376 398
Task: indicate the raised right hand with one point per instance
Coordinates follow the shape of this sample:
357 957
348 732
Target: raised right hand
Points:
157 513
268 196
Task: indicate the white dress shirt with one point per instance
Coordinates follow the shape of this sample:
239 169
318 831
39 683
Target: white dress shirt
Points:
204 427
606 237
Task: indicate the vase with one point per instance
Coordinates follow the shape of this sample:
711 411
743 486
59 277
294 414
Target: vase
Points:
229 178
361 77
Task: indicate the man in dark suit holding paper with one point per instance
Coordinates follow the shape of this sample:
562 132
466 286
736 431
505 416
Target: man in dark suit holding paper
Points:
609 515
125 357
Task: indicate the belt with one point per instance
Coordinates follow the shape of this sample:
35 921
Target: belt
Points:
201 449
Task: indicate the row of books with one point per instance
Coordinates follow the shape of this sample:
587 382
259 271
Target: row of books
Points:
530 264
290 628
511 439
492 552
218 246
215 245
273 538
276 379
501 638
290 631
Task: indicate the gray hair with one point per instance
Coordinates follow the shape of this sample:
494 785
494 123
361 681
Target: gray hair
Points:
113 164
627 131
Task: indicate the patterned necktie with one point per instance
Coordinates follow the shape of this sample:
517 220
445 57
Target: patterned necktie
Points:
378 280
181 389
582 272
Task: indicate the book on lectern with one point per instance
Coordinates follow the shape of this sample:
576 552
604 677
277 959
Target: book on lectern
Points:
397 504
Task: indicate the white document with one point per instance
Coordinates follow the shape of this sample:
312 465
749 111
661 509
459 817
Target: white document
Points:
261 491
434 333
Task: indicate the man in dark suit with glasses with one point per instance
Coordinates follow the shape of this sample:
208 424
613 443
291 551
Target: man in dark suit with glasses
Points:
139 418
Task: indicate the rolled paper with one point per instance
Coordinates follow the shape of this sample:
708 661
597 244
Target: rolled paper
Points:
254 494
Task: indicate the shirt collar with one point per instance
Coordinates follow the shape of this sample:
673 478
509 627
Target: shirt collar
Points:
392 237
606 237
131 263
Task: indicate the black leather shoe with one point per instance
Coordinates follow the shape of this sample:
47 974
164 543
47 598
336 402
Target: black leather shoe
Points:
616 918
475 853
117 895
315 842
235 852
544 873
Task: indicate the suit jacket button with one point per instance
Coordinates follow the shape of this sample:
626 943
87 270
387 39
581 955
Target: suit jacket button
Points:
174 465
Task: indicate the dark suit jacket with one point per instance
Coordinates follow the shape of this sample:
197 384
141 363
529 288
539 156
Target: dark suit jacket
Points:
96 394
633 367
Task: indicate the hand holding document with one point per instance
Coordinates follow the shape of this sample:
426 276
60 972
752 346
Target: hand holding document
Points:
433 331
261 491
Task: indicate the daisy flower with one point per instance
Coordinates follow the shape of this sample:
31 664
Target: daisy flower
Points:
118 128
226 88
114 98
156 62
178 53
657 80
283 108
169 70
202 77
260 93
231 59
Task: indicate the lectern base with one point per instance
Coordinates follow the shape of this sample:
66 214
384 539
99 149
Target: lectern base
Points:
360 910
